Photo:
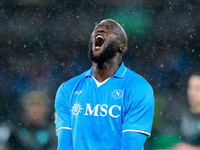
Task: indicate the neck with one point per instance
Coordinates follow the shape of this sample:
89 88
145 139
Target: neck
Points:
34 123
105 70
195 109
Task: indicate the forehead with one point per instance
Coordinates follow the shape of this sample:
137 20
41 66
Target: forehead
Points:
107 23
194 80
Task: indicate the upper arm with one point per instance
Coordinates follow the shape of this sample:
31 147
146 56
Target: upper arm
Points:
133 141
64 140
140 109
63 120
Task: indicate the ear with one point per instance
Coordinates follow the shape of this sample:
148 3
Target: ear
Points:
122 48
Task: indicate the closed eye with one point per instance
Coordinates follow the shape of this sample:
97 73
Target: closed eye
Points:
109 27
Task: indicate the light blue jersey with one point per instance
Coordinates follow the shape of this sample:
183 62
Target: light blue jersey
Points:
98 116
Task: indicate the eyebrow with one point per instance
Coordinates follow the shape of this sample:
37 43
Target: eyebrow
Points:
108 26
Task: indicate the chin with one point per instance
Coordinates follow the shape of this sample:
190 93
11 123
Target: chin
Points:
97 52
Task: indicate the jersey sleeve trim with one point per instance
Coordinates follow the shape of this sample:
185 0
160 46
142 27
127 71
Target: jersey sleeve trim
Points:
139 131
64 128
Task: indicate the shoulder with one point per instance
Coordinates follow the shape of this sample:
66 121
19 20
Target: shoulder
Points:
73 81
136 81
67 88
139 91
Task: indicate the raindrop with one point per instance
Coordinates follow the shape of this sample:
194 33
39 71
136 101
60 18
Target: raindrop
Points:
9 42
62 64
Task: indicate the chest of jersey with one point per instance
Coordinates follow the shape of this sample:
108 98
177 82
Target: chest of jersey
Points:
92 101
97 113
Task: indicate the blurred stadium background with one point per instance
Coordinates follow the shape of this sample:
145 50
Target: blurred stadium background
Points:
45 42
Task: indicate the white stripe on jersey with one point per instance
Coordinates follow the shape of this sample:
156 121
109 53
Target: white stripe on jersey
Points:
139 131
63 128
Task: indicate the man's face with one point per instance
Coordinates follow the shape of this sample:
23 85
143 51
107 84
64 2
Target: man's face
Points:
36 113
104 42
193 90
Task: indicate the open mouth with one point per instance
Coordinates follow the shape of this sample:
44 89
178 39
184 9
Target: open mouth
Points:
99 40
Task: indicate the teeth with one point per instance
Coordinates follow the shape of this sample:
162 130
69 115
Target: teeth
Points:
99 36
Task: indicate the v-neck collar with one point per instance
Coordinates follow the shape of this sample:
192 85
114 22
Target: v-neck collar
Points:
100 83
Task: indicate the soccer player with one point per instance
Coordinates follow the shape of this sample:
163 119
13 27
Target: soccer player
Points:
190 121
109 106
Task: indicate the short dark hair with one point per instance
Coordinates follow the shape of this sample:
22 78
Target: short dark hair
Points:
195 74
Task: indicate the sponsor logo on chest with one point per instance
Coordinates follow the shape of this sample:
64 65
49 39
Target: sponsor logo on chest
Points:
98 110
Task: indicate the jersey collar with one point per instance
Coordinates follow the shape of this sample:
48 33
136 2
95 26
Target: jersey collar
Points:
118 74
89 73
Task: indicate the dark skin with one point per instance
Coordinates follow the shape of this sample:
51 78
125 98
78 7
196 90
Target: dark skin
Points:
110 30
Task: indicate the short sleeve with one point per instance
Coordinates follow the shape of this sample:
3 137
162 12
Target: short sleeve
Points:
140 109
63 120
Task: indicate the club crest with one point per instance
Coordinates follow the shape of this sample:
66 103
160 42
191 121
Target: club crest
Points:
117 94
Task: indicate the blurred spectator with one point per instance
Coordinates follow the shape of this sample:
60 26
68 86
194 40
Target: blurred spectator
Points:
190 121
3 147
5 132
34 132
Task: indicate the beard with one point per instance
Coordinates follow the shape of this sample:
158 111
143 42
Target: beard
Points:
107 54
